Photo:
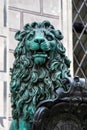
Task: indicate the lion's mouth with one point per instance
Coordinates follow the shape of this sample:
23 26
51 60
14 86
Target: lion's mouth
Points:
40 54
40 57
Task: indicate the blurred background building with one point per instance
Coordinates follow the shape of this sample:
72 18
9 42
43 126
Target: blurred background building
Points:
69 16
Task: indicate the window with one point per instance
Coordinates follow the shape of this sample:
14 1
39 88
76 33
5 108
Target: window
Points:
80 37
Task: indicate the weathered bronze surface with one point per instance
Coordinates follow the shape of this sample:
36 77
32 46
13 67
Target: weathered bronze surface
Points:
43 95
39 67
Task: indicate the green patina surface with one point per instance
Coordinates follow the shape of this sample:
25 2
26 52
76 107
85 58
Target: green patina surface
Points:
40 64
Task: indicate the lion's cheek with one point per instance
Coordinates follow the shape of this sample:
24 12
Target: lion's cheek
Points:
31 45
34 46
27 45
52 45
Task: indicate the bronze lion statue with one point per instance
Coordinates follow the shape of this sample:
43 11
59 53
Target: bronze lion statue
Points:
40 65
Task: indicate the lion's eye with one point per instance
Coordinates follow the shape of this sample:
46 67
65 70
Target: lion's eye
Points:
49 37
30 37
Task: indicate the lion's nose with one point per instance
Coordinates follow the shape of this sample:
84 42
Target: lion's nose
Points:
39 40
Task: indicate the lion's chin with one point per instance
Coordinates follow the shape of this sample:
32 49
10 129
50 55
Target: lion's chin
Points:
40 58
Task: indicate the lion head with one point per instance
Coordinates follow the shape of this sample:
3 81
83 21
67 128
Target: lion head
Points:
40 64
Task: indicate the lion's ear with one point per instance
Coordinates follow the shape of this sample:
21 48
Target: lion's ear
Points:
58 34
20 35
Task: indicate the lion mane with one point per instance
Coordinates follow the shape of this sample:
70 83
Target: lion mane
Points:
35 80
